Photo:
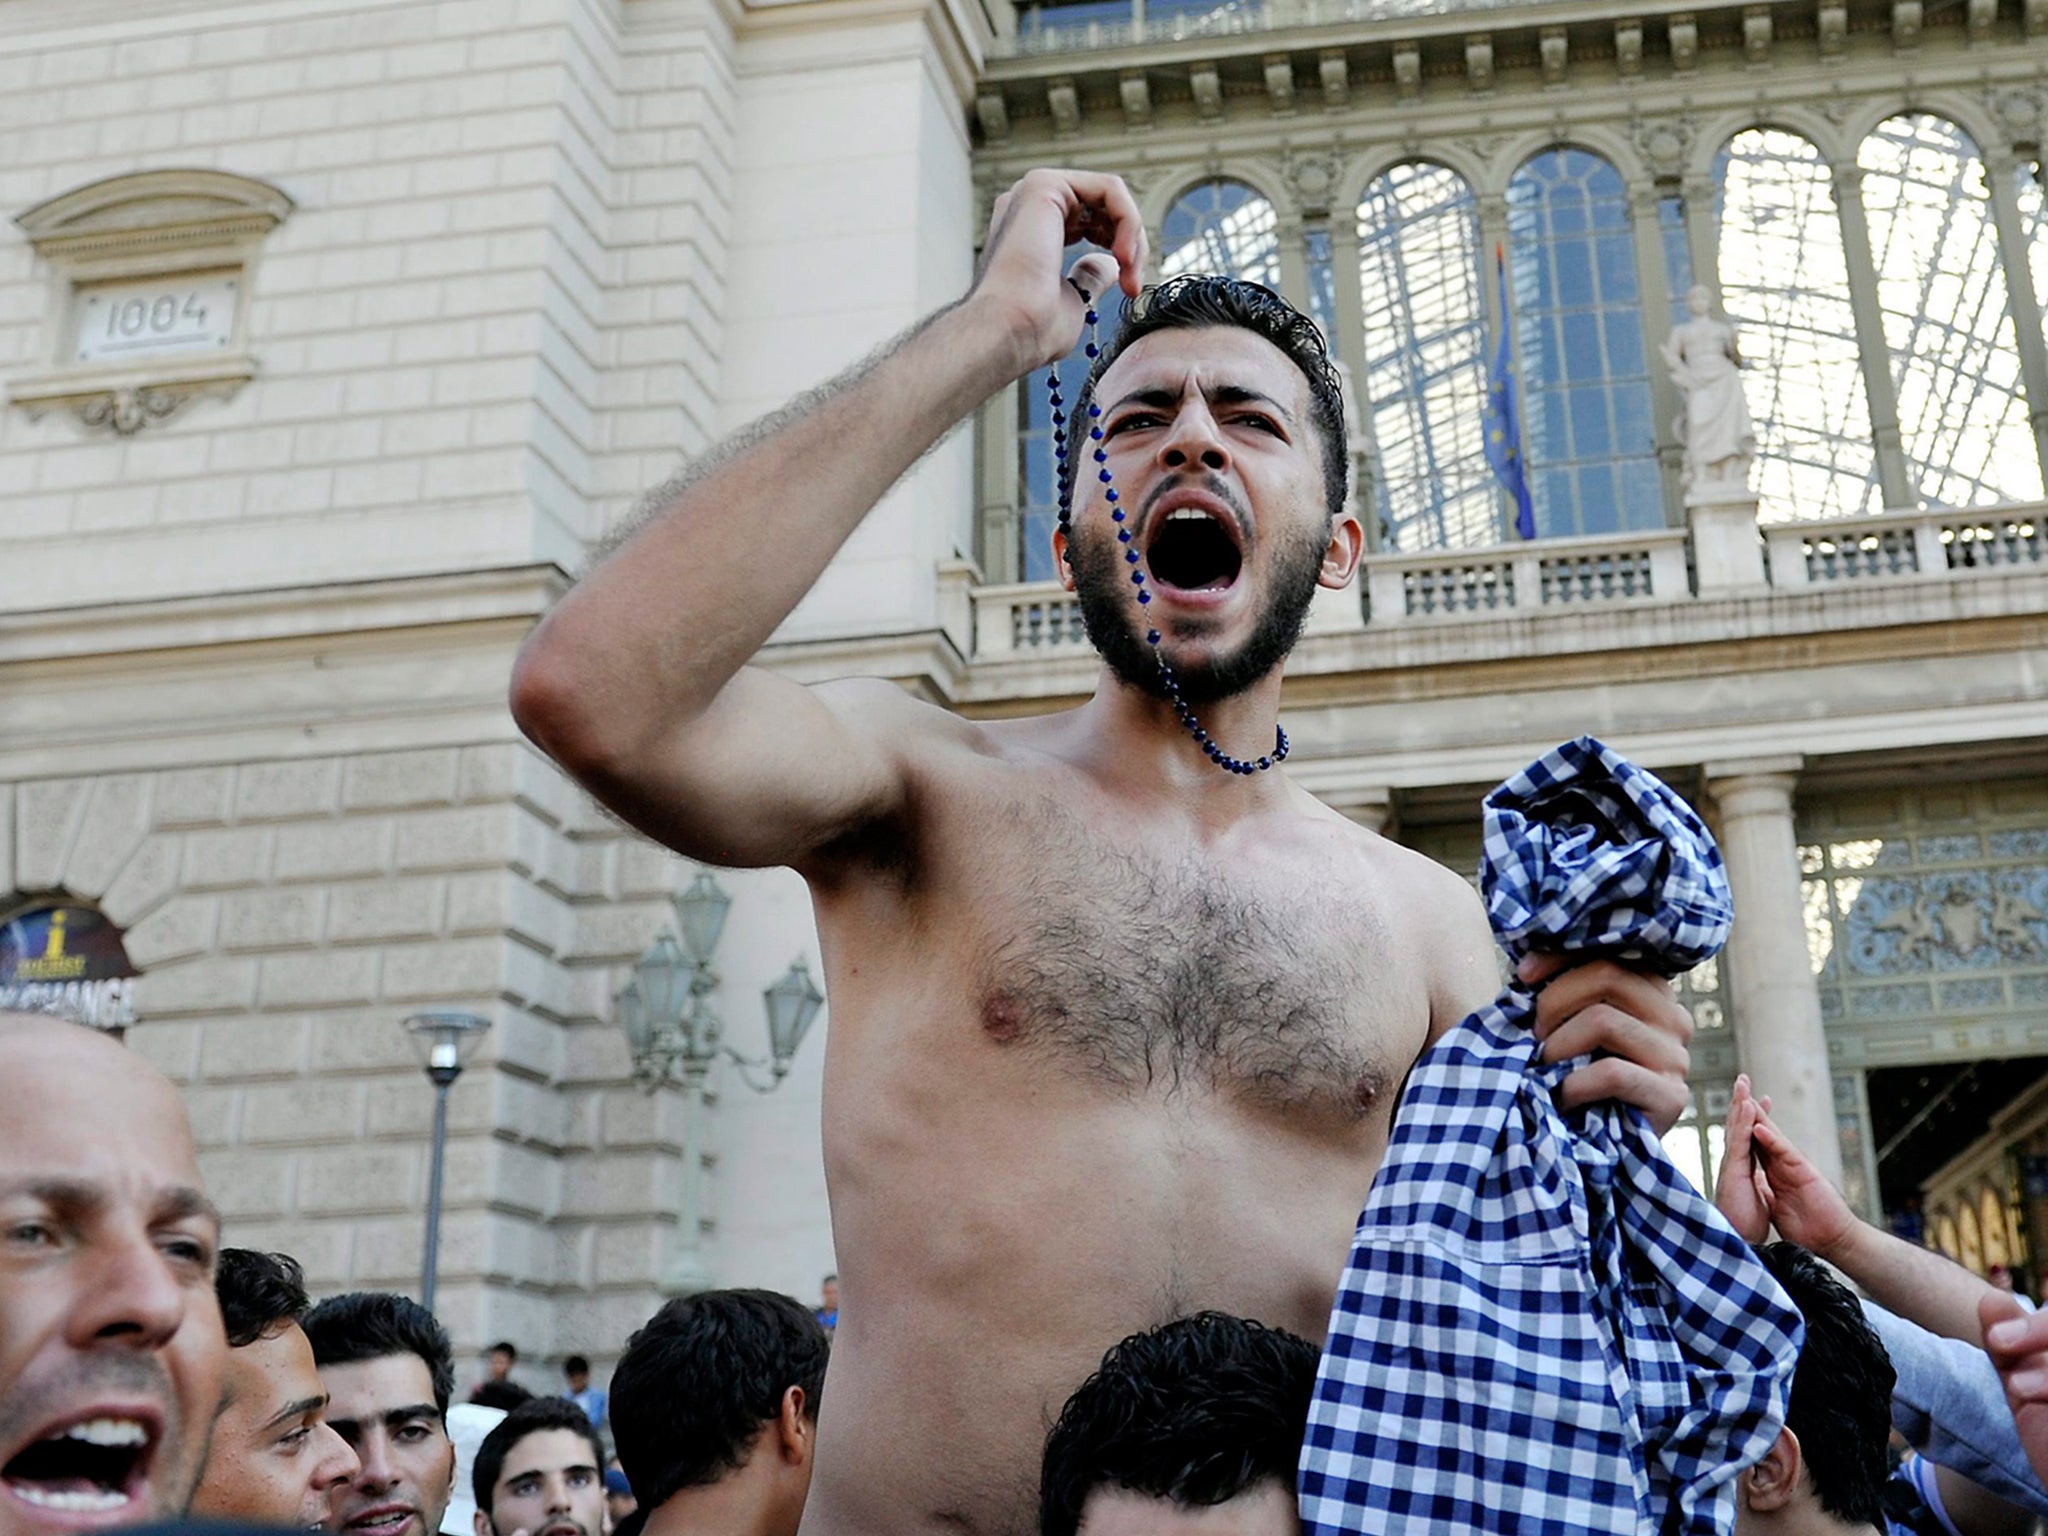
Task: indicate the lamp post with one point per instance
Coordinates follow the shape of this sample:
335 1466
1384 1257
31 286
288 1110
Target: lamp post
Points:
445 1042
675 1036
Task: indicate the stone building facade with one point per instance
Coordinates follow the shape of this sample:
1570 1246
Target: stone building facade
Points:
498 265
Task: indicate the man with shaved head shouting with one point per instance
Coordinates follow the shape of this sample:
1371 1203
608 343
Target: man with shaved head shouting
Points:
111 1346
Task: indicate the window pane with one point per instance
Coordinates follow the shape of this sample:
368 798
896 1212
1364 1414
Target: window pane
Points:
1785 287
1575 298
1222 228
1425 364
1962 413
1037 485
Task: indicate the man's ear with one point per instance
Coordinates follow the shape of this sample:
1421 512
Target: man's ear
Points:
1346 549
796 1435
1062 559
1773 1483
483 1524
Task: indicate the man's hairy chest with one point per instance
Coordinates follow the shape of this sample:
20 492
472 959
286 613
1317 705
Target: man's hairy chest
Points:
1269 980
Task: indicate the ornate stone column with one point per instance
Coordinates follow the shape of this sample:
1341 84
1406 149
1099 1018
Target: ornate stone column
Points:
1779 1040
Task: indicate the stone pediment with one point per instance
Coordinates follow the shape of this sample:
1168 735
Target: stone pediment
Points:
154 211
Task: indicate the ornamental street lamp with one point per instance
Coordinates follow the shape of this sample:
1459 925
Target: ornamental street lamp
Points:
675 1036
445 1041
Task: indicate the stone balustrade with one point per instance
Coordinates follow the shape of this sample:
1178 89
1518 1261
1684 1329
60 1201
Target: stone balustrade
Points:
1927 545
1720 556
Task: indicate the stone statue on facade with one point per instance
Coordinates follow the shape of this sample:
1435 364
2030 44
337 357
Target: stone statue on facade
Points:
1714 427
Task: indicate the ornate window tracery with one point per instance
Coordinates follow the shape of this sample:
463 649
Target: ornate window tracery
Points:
1222 226
1587 434
1947 323
1425 358
1785 285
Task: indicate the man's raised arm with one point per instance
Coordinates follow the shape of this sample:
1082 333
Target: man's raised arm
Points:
637 681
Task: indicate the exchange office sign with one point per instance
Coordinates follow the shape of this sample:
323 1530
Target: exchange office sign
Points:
56 957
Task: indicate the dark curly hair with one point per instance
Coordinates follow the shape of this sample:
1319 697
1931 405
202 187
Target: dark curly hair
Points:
1196 301
1196 1411
1841 1410
529 1418
259 1293
698 1383
368 1325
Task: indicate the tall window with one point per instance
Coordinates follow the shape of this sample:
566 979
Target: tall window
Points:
1586 429
1222 227
2030 191
1038 485
1425 363
1785 285
1948 327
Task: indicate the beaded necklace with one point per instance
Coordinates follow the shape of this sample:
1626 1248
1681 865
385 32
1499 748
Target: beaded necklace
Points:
1167 682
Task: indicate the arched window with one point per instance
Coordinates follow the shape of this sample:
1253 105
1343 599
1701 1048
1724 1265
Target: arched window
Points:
1425 358
1947 325
1785 285
1223 227
1586 430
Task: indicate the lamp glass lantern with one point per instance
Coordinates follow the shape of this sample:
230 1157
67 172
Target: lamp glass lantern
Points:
662 978
700 911
791 1004
445 1041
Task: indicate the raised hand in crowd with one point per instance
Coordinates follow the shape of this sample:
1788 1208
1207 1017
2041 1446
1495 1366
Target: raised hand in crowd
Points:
2017 1342
1765 1181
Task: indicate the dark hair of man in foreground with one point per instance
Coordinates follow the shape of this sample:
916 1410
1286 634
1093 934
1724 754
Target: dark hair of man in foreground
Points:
369 1325
1840 1413
1195 1413
712 1382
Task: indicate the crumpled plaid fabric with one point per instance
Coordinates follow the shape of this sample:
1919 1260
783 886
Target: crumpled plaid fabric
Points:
1544 1328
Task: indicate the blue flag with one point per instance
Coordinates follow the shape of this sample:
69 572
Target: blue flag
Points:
1503 423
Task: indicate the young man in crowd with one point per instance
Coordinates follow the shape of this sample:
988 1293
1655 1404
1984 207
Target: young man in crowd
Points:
388 1370
715 1413
1929 1312
540 1472
594 1401
828 1303
498 1363
1134 1023
111 1346
1193 1429
274 1458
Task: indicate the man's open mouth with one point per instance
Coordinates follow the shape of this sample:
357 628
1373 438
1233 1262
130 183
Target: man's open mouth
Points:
383 1520
93 1466
1193 549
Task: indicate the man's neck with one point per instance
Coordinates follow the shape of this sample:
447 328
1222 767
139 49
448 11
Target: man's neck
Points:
1141 741
738 1504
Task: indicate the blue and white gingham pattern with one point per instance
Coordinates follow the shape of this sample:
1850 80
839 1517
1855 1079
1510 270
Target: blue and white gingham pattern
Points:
1544 1328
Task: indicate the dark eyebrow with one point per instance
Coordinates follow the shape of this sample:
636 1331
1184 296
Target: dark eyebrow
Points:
173 1204
393 1417
303 1406
178 1203
1221 394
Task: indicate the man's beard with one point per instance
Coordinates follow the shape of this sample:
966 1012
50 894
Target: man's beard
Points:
1117 630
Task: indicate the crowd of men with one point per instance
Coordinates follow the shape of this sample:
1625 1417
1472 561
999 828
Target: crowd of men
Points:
1132 1011
147 1374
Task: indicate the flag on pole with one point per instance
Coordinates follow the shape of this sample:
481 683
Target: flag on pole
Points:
1503 422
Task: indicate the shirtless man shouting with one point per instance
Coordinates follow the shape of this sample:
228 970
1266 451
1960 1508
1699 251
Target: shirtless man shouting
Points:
1115 1034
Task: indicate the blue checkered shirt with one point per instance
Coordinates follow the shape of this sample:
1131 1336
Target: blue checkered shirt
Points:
1544 1328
